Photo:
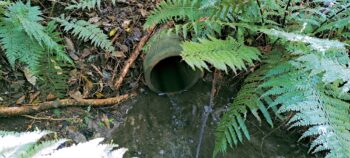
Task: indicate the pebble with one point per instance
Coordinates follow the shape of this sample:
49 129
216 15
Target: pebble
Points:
162 152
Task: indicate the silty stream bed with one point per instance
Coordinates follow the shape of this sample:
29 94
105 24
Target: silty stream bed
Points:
168 126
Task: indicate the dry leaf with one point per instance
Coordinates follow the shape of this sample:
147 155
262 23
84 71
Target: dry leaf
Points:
112 32
94 19
76 95
143 12
126 24
21 100
69 44
51 97
29 76
33 96
87 87
99 95
105 120
118 54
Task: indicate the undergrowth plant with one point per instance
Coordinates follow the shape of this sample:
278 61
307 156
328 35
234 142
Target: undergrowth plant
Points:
32 145
306 72
39 48
87 4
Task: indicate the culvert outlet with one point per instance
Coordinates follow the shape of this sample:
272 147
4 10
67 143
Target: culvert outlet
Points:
165 71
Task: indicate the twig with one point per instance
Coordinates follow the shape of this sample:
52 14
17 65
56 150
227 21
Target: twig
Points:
97 70
136 53
268 134
47 118
24 109
133 57
331 17
206 112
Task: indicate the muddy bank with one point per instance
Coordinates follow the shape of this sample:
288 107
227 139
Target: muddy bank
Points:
168 126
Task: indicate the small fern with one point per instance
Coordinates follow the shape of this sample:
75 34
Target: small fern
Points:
176 9
27 145
86 4
248 100
86 31
220 53
23 38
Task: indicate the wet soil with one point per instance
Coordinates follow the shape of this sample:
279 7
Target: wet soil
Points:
168 126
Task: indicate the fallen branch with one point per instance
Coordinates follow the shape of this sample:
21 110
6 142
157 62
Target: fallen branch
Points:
133 57
32 108
47 118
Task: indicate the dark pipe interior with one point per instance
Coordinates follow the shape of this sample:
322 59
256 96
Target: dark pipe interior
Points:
172 75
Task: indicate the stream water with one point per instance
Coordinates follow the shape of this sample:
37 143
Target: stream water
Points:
168 126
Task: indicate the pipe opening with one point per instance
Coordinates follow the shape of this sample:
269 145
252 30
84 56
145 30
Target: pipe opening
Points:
172 75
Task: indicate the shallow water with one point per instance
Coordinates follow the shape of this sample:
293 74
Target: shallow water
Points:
168 126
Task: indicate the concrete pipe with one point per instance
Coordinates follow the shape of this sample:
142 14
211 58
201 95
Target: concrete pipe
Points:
165 71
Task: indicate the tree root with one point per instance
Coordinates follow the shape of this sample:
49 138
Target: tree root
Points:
32 108
133 57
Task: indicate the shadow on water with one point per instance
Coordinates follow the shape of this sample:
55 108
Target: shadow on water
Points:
168 126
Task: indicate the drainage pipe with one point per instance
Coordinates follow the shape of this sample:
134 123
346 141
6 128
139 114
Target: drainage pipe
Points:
164 69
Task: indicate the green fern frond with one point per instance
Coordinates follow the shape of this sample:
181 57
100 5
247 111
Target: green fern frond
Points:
86 31
53 77
176 9
231 126
84 4
197 29
87 4
219 53
318 44
24 39
227 7
18 45
327 115
3 5
313 83
24 145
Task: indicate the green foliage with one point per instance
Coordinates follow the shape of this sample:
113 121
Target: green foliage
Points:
312 84
219 53
52 76
176 10
27 144
229 131
86 31
309 76
86 4
39 48
23 38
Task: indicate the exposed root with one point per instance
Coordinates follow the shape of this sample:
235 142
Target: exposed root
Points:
33 108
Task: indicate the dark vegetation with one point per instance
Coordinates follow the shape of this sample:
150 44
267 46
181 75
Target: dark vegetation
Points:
293 55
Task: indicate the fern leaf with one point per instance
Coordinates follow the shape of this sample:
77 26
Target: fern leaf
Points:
232 124
24 145
84 4
220 53
18 46
86 31
320 45
326 114
23 38
302 85
178 9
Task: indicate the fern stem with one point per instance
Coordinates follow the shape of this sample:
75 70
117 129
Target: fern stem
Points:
285 14
261 12
331 17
